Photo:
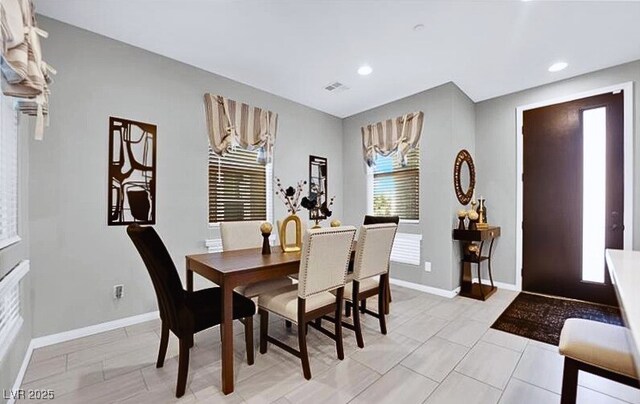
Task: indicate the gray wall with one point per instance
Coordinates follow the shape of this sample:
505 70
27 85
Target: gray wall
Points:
76 258
496 153
10 257
448 126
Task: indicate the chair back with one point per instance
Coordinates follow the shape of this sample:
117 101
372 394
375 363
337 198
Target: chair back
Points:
241 235
369 219
325 258
164 276
374 250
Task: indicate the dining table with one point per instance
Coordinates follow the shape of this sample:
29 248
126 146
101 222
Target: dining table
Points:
229 270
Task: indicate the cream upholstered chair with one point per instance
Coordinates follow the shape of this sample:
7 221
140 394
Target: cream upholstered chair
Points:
323 268
244 235
370 270
598 348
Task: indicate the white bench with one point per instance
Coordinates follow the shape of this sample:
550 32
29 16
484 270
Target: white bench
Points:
598 348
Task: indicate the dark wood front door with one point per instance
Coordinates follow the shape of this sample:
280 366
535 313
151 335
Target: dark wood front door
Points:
553 213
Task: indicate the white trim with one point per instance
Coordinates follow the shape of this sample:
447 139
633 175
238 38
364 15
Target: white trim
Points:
9 241
628 163
23 370
10 337
499 285
93 329
73 334
424 288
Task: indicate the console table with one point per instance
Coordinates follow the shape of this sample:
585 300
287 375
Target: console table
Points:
468 288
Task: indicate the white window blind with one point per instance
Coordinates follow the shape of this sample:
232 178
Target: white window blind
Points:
10 318
406 248
239 187
8 172
396 189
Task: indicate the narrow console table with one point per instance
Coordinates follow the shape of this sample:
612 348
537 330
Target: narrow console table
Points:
468 288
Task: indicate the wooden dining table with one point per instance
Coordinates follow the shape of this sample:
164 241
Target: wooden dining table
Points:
229 270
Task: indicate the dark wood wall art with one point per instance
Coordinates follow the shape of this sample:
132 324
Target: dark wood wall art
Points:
464 177
132 172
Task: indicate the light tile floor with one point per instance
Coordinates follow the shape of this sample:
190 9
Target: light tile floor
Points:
437 351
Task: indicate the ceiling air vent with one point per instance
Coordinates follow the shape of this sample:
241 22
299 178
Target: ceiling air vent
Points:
336 87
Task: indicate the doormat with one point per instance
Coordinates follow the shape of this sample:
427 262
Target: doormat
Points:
541 317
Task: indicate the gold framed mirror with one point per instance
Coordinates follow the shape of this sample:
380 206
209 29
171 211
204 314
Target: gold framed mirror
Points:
464 177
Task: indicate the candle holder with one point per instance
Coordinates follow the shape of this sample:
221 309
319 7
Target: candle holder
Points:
265 229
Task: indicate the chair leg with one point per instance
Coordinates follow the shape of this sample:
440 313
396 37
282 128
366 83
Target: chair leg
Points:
356 315
569 382
164 342
381 306
302 339
183 365
338 323
248 338
347 309
363 306
287 323
264 330
388 295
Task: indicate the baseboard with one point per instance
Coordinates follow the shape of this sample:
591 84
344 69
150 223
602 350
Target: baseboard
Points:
73 334
500 285
22 371
93 329
424 288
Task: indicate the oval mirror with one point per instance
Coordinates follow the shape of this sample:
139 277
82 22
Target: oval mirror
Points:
464 177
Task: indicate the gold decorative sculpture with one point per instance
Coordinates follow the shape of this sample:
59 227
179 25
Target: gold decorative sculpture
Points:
284 238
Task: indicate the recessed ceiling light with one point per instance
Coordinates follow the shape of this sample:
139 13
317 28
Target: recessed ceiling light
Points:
418 27
365 70
556 67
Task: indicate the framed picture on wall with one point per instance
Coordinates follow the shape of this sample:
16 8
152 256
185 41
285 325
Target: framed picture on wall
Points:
132 172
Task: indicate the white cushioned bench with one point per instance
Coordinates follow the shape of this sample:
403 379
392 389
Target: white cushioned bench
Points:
597 348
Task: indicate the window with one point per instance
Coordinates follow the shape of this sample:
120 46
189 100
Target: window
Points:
8 173
10 318
239 187
396 189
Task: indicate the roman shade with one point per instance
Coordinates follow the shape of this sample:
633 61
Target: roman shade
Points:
231 122
400 134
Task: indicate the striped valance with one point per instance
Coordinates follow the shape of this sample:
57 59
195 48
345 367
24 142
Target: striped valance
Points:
232 123
401 134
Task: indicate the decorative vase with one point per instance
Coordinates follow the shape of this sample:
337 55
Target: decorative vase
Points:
293 245
482 211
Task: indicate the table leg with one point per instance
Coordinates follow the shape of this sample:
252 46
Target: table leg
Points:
189 280
227 339
489 263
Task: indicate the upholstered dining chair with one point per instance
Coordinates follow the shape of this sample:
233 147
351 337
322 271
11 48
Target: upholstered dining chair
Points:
370 219
244 235
324 261
182 312
370 270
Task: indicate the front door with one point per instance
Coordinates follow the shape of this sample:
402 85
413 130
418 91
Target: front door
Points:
573 196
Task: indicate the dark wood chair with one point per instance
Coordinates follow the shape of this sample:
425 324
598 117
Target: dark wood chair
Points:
370 219
323 268
182 312
597 348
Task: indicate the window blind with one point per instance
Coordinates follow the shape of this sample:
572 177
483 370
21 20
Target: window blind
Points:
237 187
396 189
8 172
10 318
406 248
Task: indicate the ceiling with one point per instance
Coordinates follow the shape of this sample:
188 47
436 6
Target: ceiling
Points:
294 48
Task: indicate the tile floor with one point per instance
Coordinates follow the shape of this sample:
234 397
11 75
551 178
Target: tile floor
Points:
437 351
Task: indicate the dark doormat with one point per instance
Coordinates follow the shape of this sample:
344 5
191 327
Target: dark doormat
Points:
541 317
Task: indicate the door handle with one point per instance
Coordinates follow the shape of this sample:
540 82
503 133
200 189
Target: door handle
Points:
615 227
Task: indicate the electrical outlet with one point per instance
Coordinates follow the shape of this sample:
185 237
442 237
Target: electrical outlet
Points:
427 266
118 292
